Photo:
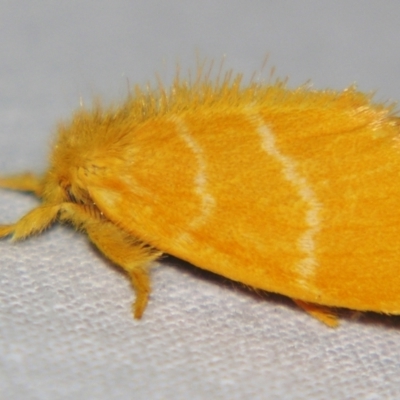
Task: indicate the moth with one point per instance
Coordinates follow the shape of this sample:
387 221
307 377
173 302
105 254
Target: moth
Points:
292 191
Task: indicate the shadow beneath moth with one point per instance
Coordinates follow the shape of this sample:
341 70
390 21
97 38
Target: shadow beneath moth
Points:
289 191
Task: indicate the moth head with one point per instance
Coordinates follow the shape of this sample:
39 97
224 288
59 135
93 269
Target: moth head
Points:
71 149
80 156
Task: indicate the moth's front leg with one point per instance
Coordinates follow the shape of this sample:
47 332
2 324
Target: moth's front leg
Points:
23 182
123 249
32 223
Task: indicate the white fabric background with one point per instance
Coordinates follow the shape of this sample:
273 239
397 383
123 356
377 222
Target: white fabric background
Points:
66 330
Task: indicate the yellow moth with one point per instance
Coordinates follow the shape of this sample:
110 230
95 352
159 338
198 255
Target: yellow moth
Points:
289 191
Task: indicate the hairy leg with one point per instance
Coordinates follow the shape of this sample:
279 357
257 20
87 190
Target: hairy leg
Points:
130 253
24 182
